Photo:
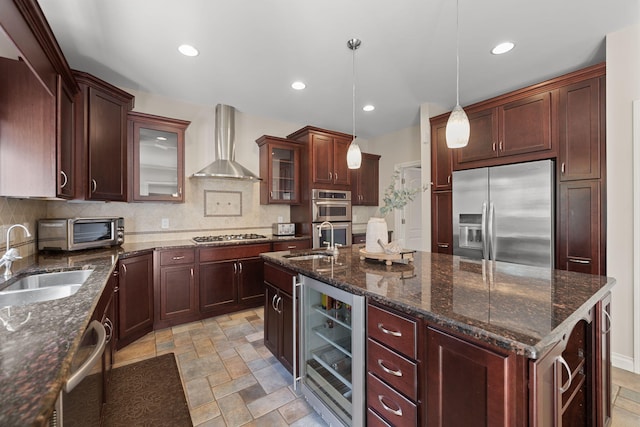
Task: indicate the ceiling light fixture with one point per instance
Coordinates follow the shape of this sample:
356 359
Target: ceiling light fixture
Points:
354 155
298 85
368 108
188 50
503 47
457 130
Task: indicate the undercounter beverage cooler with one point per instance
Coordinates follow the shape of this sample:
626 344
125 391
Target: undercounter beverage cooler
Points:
332 358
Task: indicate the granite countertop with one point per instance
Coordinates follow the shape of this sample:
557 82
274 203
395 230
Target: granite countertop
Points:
519 308
38 341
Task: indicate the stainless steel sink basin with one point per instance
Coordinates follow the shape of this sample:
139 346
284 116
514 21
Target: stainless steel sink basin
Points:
306 257
43 287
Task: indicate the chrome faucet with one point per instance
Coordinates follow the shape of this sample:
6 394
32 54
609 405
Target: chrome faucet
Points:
332 247
11 254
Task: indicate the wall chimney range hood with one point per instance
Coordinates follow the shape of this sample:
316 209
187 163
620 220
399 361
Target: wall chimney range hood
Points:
225 166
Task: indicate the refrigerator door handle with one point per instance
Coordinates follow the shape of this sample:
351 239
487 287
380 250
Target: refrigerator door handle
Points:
297 284
492 243
483 230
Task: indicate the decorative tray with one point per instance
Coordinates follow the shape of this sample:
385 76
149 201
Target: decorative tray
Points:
404 256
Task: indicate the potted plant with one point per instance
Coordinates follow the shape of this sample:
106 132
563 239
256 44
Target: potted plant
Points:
393 198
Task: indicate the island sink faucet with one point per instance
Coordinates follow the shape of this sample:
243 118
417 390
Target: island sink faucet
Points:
11 254
332 248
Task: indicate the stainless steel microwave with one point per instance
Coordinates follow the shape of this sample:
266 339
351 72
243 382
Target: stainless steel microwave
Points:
73 234
330 205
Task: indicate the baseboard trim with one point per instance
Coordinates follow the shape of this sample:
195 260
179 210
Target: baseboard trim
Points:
622 362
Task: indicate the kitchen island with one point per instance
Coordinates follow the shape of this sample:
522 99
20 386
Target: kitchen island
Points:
499 342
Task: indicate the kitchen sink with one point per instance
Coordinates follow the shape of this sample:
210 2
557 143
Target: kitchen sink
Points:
306 257
43 287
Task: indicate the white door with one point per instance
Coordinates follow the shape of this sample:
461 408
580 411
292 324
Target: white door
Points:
410 221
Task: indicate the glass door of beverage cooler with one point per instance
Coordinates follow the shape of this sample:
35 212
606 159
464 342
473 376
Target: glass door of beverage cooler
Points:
332 352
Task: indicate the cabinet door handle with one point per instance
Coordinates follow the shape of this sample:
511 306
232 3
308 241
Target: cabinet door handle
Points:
443 245
388 331
336 176
239 267
579 261
235 268
179 191
64 175
271 194
280 304
192 272
608 316
449 179
395 373
124 269
178 258
500 146
562 168
493 147
330 175
94 185
397 412
273 302
566 386
108 326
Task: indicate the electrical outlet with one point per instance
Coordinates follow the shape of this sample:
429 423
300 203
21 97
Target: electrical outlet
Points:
165 223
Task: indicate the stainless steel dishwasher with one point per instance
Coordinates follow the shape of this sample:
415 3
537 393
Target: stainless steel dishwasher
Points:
80 400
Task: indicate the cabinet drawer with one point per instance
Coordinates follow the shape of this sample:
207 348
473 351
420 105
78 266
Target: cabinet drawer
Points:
391 405
397 371
278 277
232 252
177 256
397 332
290 245
374 420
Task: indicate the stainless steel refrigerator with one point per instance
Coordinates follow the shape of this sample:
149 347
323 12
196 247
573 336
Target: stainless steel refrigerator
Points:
505 213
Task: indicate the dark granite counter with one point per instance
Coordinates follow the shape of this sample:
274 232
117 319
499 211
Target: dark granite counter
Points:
519 308
38 341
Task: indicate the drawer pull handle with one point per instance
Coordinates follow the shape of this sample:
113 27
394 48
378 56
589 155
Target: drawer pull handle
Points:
443 245
397 412
606 331
178 258
291 247
397 373
566 386
389 332
579 261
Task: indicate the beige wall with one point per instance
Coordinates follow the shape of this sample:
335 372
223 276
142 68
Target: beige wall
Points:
25 212
623 87
143 220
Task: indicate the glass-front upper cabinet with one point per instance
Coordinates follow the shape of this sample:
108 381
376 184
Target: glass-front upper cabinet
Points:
158 157
279 170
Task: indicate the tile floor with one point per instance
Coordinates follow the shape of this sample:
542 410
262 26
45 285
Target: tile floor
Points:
231 379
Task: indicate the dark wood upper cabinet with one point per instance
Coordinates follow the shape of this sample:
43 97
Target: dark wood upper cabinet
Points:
102 132
327 157
364 181
279 170
156 153
66 143
516 128
579 109
441 157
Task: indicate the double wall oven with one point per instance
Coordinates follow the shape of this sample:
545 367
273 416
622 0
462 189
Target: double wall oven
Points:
333 206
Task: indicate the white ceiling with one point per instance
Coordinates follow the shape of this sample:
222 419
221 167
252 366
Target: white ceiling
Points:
251 51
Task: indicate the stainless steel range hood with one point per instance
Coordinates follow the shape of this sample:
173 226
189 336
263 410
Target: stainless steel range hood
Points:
225 165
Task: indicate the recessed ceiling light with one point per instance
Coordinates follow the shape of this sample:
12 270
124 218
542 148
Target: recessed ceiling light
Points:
368 107
188 50
298 85
502 48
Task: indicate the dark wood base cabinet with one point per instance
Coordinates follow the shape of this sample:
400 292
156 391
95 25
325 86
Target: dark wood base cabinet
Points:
278 314
423 374
135 298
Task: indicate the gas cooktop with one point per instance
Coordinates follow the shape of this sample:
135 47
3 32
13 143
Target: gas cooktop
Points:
227 237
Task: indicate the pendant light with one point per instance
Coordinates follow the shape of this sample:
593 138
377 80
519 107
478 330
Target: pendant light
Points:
457 131
354 155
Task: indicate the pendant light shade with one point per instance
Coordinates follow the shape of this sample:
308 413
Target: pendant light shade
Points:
354 155
458 129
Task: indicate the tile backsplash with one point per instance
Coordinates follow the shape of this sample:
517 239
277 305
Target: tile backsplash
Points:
25 212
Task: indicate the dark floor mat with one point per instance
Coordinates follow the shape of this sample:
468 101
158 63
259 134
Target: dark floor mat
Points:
147 393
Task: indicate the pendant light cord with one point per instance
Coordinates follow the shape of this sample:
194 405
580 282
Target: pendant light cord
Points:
353 57
457 54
